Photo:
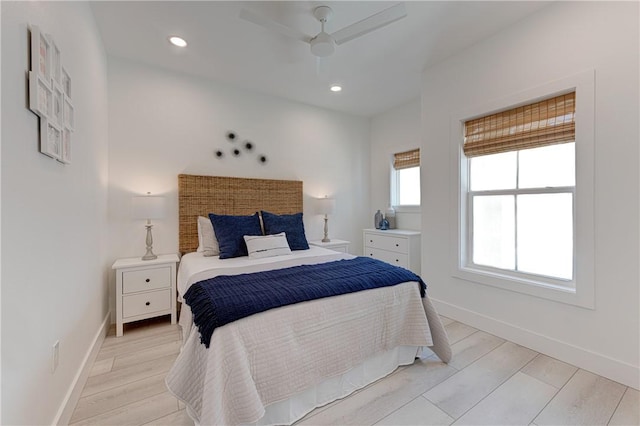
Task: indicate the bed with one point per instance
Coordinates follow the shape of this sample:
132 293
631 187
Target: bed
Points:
276 366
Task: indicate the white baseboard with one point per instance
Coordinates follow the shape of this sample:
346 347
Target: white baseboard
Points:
621 372
73 394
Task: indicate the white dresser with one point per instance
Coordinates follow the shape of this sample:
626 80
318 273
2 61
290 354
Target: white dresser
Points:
395 246
145 289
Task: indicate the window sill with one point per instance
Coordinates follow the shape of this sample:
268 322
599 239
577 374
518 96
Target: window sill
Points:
538 288
407 209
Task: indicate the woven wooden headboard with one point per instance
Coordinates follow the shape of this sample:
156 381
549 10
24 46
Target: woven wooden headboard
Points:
201 195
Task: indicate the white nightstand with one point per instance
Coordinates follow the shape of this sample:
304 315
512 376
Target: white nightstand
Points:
145 289
337 245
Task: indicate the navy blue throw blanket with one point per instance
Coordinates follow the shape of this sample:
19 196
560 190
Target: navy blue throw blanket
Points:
226 298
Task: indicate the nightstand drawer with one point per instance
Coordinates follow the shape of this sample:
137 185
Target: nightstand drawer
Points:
390 243
146 279
397 259
145 303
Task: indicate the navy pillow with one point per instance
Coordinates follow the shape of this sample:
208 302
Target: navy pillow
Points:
230 232
290 224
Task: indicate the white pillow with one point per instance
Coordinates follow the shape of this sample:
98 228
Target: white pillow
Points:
260 246
200 249
207 242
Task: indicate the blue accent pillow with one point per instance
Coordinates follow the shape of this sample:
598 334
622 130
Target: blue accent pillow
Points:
290 224
230 232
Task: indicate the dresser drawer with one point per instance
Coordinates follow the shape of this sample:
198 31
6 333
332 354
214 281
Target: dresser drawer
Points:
146 279
146 303
397 259
384 242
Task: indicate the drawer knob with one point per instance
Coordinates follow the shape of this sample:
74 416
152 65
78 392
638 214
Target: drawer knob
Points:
397 260
370 241
148 303
397 244
147 280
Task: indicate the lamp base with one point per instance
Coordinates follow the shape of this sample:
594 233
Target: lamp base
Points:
326 230
149 254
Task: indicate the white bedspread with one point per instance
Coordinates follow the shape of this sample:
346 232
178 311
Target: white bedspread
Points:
271 356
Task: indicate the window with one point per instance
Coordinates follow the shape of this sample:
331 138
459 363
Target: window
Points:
522 202
405 179
521 188
521 211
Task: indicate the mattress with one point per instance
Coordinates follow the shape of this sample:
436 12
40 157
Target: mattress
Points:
275 366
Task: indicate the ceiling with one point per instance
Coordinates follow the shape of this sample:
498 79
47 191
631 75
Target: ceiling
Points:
378 71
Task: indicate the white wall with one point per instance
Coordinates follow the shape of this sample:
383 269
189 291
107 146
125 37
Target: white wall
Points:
563 39
393 131
54 217
163 123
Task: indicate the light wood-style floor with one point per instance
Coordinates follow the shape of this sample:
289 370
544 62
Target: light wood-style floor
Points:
489 381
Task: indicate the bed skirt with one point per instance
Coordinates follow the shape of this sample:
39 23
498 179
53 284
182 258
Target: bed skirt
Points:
375 368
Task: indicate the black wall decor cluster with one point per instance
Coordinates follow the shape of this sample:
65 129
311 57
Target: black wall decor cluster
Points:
236 150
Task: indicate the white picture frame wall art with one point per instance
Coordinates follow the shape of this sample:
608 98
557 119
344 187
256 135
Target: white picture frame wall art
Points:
40 96
57 106
50 96
68 114
55 61
65 156
50 139
66 81
40 54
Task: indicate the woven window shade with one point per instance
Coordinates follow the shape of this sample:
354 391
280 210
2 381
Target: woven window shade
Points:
405 160
543 123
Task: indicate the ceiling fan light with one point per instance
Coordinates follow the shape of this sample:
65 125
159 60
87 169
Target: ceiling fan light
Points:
322 45
335 88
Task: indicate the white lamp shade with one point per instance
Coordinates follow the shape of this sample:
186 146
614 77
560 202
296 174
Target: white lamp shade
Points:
326 205
147 207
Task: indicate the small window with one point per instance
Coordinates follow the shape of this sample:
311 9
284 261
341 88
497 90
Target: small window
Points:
405 179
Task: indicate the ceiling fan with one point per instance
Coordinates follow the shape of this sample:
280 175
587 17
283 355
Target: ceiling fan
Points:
324 44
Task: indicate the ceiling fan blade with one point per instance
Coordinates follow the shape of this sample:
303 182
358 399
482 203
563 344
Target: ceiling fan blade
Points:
371 23
269 24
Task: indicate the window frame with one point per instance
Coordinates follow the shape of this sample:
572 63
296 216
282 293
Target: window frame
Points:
582 291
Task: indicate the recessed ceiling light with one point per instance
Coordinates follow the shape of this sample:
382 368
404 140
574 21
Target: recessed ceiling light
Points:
336 88
177 41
